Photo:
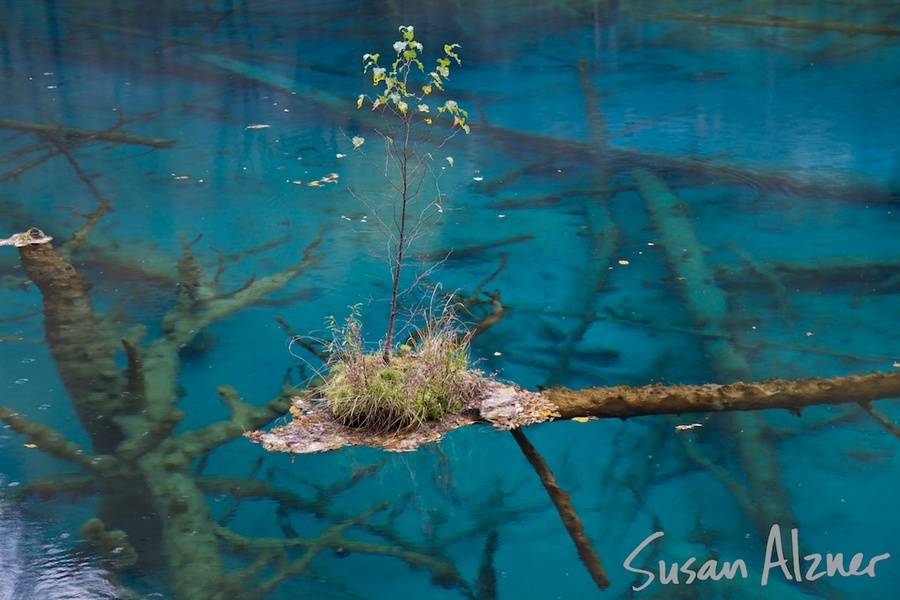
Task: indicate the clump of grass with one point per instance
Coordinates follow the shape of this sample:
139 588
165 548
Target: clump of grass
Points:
426 380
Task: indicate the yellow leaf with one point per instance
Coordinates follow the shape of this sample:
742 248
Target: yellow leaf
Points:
583 419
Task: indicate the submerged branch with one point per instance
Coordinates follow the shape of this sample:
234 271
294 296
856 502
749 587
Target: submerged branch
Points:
49 440
244 416
79 134
566 511
884 421
787 22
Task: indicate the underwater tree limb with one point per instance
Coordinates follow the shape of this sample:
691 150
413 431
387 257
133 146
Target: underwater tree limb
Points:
60 484
702 169
51 441
80 134
486 582
185 321
244 416
566 511
604 234
862 273
696 169
780 21
884 421
708 306
90 220
151 493
473 249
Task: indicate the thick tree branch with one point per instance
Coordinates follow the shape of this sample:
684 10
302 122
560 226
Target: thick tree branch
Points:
508 407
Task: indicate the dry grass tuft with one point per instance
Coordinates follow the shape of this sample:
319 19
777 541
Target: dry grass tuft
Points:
425 381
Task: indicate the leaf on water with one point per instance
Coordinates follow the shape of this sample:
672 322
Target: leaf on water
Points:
358 141
450 160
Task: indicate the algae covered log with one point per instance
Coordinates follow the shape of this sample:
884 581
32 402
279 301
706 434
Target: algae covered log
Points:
84 356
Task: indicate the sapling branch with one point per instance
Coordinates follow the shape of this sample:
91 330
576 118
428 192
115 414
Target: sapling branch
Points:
407 158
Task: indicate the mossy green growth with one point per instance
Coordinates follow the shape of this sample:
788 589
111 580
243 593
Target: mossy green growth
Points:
425 381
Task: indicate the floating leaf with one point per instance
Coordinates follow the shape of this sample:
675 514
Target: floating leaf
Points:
358 141
450 160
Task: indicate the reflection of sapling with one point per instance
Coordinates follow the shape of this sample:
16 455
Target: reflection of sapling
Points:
409 152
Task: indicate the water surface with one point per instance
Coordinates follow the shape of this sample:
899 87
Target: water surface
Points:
780 144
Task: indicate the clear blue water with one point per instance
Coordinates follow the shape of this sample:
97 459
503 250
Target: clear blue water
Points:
781 142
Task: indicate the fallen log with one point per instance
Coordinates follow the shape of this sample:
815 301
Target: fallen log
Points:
506 407
623 402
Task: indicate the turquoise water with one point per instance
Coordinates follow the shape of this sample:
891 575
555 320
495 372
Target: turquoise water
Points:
779 143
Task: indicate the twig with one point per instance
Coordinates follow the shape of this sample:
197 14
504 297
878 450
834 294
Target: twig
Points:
321 355
91 219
